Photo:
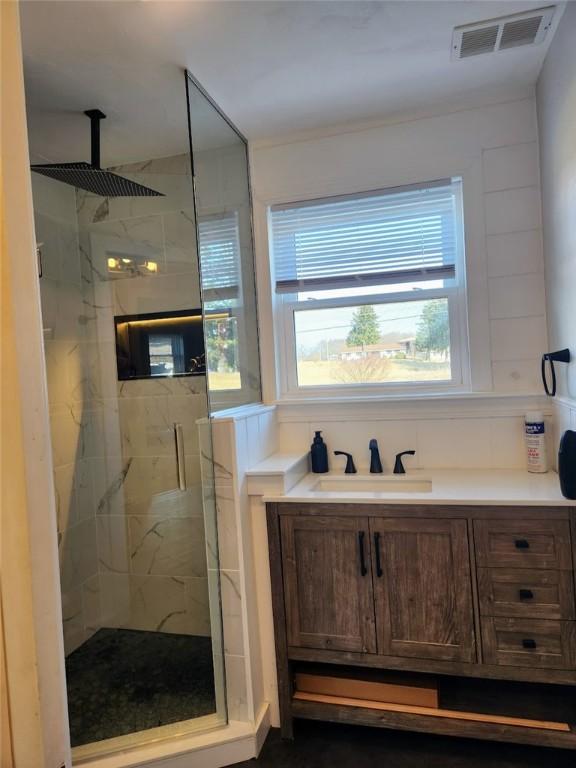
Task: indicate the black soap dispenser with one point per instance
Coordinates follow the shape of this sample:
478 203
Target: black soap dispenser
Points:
319 454
567 464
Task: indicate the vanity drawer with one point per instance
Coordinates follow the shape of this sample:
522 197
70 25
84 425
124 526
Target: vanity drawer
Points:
536 594
523 544
529 642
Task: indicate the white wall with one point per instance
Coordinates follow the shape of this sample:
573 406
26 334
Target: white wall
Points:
446 434
32 625
494 148
556 97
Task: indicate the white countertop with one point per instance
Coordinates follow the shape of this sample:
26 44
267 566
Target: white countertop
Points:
276 464
456 486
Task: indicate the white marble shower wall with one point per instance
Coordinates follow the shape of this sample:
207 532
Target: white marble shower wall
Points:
151 544
241 438
76 410
152 552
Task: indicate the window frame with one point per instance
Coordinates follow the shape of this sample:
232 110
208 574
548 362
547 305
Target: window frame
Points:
285 305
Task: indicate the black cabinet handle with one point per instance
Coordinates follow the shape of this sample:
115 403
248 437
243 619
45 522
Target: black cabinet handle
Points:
379 570
525 594
529 643
521 544
363 569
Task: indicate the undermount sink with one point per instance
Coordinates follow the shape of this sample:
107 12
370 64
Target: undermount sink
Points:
377 484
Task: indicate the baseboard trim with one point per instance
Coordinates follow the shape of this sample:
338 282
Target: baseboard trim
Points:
263 726
233 743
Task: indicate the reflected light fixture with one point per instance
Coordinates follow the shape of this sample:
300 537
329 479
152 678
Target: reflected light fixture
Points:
135 265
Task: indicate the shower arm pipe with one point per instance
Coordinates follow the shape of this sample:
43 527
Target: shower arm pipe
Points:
95 116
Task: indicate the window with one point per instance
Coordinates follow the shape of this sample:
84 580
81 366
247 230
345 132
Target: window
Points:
370 289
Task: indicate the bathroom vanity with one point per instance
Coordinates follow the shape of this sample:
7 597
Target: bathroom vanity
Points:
472 598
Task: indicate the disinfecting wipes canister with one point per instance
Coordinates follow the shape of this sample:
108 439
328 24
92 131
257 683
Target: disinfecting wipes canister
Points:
535 436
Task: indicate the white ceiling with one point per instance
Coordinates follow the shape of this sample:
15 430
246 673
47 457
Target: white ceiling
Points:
275 67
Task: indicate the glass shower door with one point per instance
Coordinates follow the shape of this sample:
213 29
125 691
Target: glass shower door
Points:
123 332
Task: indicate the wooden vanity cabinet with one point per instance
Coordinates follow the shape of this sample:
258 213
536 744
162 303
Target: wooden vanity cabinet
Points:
422 589
393 586
326 562
464 591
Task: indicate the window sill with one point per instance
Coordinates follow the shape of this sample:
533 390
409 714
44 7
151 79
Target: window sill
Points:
402 397
414 405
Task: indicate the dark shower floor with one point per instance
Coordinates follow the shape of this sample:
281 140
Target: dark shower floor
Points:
120 681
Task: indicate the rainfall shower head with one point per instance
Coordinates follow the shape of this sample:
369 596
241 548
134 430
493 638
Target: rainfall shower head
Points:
92 178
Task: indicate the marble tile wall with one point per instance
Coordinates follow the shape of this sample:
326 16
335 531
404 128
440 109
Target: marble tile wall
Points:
76 412
239 442
136 551
150 535
153 549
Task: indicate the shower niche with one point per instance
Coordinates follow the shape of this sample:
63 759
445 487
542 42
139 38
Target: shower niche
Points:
160 344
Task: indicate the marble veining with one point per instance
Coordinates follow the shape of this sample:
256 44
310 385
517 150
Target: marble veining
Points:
167 547
133 547
114 487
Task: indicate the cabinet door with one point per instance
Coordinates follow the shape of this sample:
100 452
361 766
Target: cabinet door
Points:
422 589
327 583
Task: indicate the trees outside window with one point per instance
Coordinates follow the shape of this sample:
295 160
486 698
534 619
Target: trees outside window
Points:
365 327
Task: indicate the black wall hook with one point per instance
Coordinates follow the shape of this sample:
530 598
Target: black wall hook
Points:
561 356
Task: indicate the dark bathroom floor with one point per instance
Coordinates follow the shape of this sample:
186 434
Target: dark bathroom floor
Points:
325 745
120 681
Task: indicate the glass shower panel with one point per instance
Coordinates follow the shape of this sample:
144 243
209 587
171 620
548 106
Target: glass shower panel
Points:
224 224
128 404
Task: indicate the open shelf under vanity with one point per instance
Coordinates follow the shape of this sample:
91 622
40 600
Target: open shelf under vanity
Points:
532 713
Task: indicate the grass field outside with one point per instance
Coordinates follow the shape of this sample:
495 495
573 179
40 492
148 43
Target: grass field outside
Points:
326 372
221 381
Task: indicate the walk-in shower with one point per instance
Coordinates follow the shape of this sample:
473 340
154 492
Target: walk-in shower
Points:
137 345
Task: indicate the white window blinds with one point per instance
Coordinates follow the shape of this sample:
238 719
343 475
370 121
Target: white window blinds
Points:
219 256
405 234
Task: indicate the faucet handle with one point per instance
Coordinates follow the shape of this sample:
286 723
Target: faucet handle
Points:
398 466
350 466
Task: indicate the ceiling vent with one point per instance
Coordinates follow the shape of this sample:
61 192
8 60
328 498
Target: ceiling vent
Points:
528 28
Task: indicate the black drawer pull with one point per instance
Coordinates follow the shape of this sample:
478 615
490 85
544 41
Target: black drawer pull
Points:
529 643
522 544
363 569
525 594
379 570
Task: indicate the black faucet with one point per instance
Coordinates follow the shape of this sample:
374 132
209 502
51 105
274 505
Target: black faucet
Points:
375 463
398 466
350 466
